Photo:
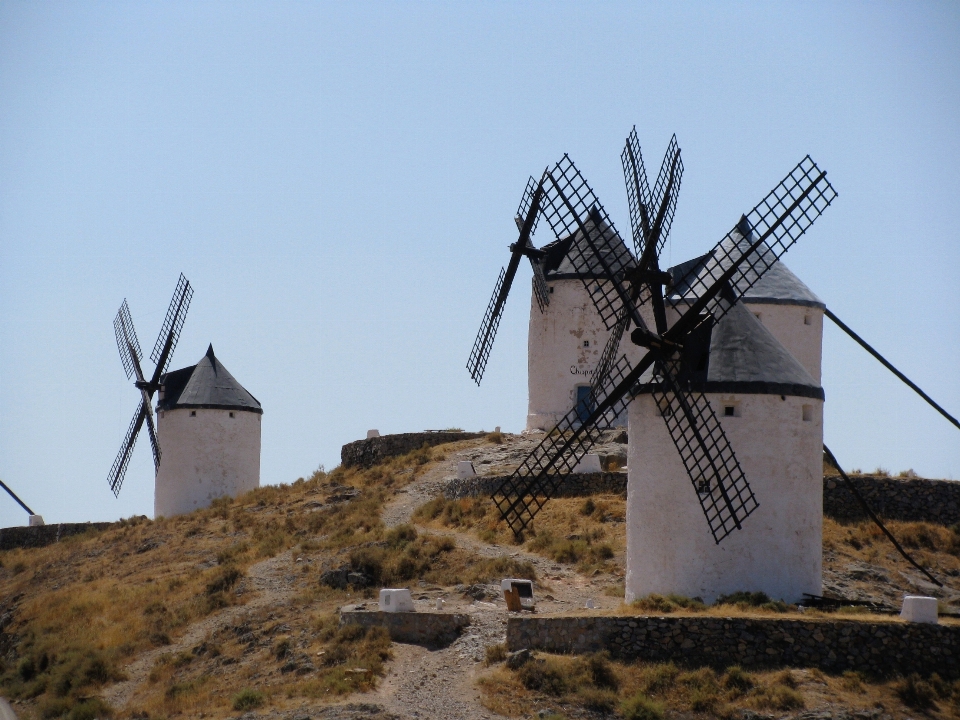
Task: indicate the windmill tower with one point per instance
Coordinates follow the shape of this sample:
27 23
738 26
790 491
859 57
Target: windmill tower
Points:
704 335
209 426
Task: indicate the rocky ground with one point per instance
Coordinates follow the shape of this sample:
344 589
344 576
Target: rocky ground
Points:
438 683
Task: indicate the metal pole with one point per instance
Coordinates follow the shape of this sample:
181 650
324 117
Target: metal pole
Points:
14 496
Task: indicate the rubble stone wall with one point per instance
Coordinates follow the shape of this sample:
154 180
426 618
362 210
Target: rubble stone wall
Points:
876 648
573 485
42 535
418 628
369 452
912 499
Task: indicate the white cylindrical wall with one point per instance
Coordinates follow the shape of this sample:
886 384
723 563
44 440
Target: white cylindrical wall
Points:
779 549
205 454
557 360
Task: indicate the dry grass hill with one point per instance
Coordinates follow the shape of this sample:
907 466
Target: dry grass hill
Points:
233 611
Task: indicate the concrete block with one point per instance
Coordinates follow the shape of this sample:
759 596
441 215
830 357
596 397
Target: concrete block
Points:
35 520
372 434
465 470
589 464
919 609
396 600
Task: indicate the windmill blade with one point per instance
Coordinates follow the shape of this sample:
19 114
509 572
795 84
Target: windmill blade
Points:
665 192
755 243
536 480
722 489
127 342
477 362
152 432
639 198
526 203
647 207
119 468
540 289
598 253
172 325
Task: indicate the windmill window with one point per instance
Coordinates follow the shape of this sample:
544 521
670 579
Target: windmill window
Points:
193 413
703 486
757 316
729 411
551 288
231 414
586 343
807 320
807 413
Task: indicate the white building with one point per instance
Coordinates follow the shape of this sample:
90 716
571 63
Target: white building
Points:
771 410
762 377
564 343
208 427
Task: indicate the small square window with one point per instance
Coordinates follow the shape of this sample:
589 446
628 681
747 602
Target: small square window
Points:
193 413
586 343
807 413
551 288
807 320
729 411
231 414
703 486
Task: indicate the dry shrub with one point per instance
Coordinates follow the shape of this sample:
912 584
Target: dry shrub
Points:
666 604
495 654
753 601
641 707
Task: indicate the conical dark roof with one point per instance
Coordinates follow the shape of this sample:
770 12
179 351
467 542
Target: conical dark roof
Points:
207 384
743 356
572 257
778 286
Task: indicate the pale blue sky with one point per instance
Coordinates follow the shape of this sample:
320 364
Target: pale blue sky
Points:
338 182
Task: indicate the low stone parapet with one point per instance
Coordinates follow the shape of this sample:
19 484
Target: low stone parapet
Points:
41 535
573 485
876 648
367 453
910 499
432 629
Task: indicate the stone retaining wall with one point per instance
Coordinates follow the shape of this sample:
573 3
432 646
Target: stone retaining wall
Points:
573 485
369 452
876 648
912 499
41 535
418 628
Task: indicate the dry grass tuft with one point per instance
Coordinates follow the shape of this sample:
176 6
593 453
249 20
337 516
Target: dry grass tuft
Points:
587 533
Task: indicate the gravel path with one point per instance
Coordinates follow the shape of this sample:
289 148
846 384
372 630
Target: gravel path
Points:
441 683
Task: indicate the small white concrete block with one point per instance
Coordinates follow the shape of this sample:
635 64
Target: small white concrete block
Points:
589 464
36 520
497 429
372 434
590 604
919 609
440 604
465 470
396 600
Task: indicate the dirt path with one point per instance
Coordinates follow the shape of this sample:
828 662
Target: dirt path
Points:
441 683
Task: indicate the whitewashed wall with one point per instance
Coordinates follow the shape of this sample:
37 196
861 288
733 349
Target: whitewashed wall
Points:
778 551
557 361
204 457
